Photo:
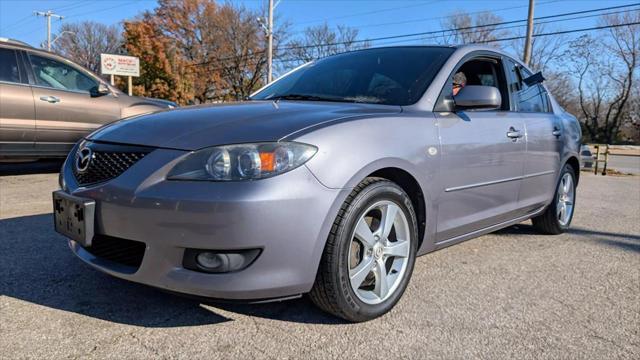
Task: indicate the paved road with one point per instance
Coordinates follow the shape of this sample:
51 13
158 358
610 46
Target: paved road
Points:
512 294
625 164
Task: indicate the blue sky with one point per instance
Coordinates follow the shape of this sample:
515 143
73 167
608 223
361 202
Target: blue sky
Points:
372 17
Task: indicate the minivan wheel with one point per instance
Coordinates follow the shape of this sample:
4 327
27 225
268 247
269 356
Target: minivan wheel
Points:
370 253
557 218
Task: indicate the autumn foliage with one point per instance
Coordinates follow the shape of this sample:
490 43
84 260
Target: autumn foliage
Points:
195 51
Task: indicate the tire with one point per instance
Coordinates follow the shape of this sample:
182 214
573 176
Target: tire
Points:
550 221
344 253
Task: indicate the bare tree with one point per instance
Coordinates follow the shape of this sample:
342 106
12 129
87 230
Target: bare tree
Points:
242 53
545 50
606 70
463 28
321 41
561 85
84 42
630 128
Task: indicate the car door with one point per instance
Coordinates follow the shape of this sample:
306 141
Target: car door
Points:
65 109
544 140
482 154
17 114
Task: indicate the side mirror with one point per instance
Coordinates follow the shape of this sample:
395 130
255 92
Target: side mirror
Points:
536 78
478 97
99 90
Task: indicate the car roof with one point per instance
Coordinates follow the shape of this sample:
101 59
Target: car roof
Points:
15 43
21 45
459 48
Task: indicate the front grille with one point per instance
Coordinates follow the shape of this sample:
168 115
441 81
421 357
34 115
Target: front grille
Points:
121 251
106 161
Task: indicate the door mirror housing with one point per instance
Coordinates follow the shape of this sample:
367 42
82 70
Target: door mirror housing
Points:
99 90
534 79
478 97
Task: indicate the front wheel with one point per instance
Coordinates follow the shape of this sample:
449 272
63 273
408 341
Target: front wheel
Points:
558 215
370 253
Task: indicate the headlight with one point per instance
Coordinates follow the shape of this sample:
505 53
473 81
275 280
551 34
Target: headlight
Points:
242 162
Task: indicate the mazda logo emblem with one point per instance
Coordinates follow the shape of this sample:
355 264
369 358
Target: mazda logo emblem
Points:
83 159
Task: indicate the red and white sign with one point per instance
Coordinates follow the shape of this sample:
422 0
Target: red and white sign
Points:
119 65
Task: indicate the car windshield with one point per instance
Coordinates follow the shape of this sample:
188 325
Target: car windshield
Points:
389 76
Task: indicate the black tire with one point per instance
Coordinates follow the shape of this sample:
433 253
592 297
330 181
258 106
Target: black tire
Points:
547 222
332 291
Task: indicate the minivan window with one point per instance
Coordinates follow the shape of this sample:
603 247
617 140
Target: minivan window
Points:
9 66
51 73
390 76
528 98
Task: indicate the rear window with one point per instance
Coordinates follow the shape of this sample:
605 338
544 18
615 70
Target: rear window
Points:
9 66
528 98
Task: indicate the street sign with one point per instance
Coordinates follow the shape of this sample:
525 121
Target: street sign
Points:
119 65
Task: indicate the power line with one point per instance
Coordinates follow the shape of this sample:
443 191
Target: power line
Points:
564 32
67 7
5 27
104 9
72 6
446 16
441 32
483 42
368 12
513 26
461 28
30 17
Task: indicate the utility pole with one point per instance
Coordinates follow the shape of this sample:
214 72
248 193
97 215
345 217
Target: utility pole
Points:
270 43
49 14
528 40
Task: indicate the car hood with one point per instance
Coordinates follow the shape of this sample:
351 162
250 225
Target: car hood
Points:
162 102
196 127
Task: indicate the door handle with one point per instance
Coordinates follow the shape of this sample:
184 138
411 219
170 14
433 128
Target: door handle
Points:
514 134
556 132
50 99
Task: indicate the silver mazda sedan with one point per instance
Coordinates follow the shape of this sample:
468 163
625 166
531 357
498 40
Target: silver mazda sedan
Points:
329 181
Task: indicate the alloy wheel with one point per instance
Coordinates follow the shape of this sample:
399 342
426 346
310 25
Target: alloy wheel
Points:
566 195
379 252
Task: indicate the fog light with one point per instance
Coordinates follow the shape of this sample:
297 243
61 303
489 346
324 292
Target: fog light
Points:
209 260
218 261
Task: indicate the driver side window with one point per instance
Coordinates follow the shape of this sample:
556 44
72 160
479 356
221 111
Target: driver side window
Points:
54 74
485 72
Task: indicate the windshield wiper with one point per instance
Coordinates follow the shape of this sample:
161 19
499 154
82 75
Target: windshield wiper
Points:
306 97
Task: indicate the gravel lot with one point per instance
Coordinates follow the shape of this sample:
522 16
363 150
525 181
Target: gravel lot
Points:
511 294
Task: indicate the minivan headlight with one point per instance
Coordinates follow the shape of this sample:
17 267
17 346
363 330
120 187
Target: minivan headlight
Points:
242 161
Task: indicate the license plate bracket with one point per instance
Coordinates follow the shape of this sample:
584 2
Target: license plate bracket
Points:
73 217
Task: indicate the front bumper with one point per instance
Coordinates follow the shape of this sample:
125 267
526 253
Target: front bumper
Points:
288 216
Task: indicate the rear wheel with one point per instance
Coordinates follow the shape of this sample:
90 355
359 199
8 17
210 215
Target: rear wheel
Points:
557 218
370 253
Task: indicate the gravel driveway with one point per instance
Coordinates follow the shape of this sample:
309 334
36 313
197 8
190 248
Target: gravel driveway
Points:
511 294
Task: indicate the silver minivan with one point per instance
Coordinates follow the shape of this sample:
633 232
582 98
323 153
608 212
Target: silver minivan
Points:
48 103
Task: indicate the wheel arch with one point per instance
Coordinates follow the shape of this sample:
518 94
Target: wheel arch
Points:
575 164
412 188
